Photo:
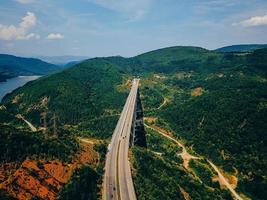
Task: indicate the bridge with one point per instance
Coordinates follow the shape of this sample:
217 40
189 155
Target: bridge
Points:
118 183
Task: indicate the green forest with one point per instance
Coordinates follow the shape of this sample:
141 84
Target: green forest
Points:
224 120
12 66
228 116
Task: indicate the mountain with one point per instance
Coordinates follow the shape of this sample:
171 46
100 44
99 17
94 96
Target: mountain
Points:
80 107
73 95
213 103
218 111
241 48
62 60
11 66
171 59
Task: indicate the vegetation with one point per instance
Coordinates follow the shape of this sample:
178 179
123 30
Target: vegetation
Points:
11 66
102 150
17 145
99 127
79 95
86 182
217 104
203 171
230 117
160 145
85 102
226 121
258 59
82 186
242 48
155 178
152 98
5 196
175 59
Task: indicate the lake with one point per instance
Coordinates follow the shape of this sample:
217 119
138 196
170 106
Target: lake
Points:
13 83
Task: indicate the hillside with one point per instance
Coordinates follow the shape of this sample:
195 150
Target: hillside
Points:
219 114
74 95
213 103
171 59
85 101
258 59
11 66
241 48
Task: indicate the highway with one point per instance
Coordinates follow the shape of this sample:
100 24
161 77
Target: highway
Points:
118 184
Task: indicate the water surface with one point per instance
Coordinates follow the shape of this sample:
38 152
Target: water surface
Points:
13 83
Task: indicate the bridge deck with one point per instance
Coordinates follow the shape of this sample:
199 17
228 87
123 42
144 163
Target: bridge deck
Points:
118 182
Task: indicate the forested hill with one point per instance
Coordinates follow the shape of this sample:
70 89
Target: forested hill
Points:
96 78
77 95
242 48
85 102
215 103
11 66
173 59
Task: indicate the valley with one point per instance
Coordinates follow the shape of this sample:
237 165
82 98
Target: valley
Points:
204 116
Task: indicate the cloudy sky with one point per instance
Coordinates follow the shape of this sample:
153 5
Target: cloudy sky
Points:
126 27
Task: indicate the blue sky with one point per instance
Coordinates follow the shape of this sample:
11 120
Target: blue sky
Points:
127 27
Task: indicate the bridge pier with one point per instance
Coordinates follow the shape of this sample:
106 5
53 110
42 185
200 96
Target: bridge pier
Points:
138 131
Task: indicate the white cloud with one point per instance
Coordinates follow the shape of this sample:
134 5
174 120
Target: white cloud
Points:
29 36
28 21
132 9
55 36
254 21
25 1
20 32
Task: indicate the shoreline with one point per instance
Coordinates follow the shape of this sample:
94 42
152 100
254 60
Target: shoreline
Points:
11 84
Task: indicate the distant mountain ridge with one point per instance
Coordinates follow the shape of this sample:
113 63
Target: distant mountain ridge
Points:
62 60
12 66
241 48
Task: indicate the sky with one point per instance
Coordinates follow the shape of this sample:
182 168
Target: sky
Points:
127 27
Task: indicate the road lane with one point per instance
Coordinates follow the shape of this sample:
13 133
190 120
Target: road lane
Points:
125 177
110 173
117 179
110 183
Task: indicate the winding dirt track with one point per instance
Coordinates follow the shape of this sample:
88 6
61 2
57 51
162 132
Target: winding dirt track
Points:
33 129
186 157
226 183
163 103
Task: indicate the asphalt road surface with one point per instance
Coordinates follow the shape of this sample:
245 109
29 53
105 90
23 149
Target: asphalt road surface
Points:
118 183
